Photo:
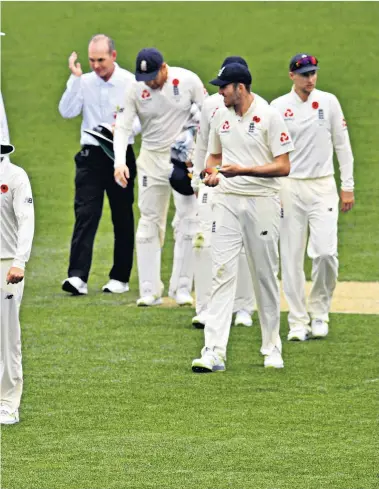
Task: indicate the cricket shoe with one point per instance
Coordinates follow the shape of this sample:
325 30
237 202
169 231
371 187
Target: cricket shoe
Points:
243 318
150 299
75 286
116 287
183 297
274 359
7 416
210 361
199 320
320 328
298 333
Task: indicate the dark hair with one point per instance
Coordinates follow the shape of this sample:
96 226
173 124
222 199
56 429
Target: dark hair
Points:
248 87
101 37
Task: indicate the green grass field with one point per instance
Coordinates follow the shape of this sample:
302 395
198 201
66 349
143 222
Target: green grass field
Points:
110 401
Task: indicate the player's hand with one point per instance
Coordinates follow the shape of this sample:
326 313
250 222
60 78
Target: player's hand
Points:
75 68
121 175
230 171
212 179
15 275
347 200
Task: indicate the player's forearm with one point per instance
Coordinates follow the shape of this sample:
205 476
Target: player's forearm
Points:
214 160
346 164
279 168
25 239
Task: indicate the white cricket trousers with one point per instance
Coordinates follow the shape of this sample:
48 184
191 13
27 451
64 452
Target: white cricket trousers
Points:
10 361
309 203
245 298
154 191
252 222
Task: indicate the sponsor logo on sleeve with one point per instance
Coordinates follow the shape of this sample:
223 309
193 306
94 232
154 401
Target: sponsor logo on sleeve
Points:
28 200
344 123
284 139
225 127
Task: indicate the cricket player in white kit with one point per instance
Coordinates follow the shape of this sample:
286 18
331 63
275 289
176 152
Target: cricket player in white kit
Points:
162 98
244 302
249 140
309 197
16 233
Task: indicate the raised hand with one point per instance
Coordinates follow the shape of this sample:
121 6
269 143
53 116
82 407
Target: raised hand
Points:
75 68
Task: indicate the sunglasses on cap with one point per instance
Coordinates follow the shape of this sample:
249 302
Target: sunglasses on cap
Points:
308 60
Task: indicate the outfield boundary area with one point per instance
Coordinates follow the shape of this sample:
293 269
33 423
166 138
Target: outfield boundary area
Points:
349 298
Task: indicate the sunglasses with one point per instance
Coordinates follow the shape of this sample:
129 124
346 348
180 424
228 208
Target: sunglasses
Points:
308 60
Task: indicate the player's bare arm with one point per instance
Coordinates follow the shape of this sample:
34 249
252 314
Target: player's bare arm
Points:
347 200
15 275
280 167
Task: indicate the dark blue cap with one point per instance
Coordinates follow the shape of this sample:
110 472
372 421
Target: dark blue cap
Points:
232 73
180 178
148 63
234 59
303 63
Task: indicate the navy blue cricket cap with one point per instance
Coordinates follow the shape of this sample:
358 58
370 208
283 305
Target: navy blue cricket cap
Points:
232 73
303 63
148 63
234 59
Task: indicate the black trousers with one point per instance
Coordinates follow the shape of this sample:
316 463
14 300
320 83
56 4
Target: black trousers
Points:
94 175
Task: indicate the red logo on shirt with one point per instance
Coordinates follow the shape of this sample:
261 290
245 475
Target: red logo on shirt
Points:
175 82
344 123
314 105
145 94
226 126
4 188
284 137
288 113
256 119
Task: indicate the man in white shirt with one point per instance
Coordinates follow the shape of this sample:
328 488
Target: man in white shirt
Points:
16 236
163 97
250 145
244 302
99 96
309 197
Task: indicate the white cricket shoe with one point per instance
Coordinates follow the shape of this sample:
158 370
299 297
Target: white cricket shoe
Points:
243 318
116 287
320 328
75 286
183 297
8 417
274 359
151 300
199 320
210 361
298 333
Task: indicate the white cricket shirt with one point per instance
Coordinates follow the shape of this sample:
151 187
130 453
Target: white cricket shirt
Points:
98 100
162 112
17 214
209 108
252 140
316 126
